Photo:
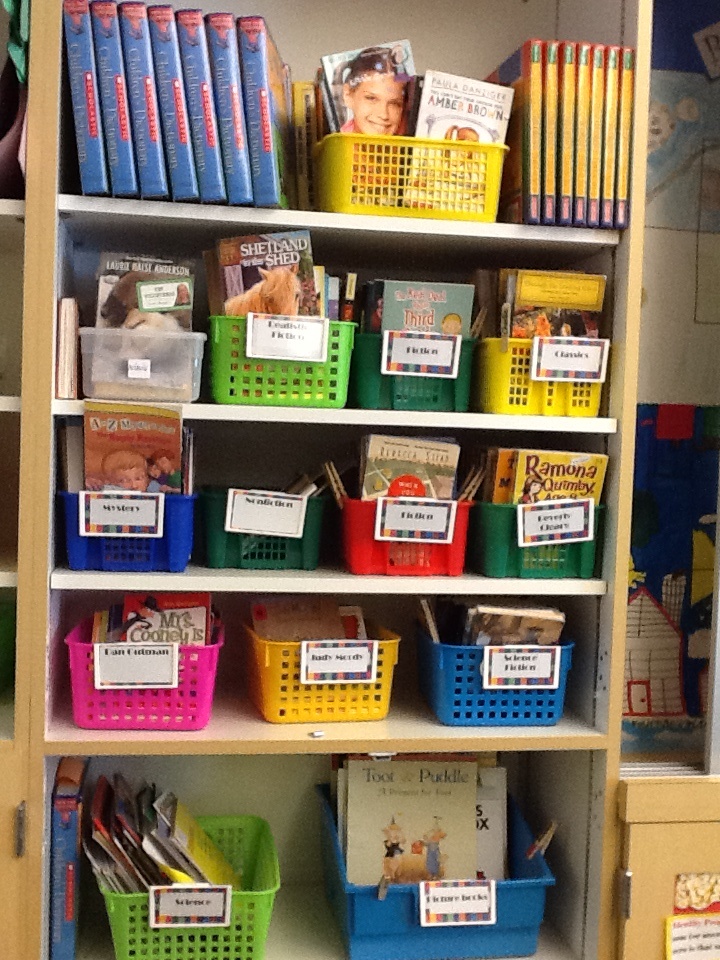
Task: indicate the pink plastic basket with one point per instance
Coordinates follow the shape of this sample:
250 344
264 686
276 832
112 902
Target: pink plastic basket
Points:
186 708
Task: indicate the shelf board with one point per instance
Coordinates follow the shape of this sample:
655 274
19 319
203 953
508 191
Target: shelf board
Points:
12 225
7 718
12 209
9 404
8 572
376 418
322 580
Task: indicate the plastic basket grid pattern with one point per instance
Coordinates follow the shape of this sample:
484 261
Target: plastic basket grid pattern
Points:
236 378
188 707
248 846
276 690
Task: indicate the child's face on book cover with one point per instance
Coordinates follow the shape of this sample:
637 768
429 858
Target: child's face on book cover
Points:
130 478
377 104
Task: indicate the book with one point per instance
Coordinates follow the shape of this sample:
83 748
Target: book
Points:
66 817
268 273
114 98
85 98
132 447
499 475
71 456
183 618
491 823
558 475
225 68
551 303
136 290
347 305
195 61
487 625
566 132
66 353
550 130
325 114
298 618
188 837
305 126
144 108
320 300
408 467
332 296
595 138
173 103
267 114
410 821
107 624
624 141
610 129
582 133
427 307
460 108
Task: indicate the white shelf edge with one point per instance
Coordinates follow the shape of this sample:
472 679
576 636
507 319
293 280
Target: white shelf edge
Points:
12 209
9 404
380 418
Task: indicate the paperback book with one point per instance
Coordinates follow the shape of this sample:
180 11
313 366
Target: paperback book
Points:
408 466
558 475
183 618
421 307
152 292
460 108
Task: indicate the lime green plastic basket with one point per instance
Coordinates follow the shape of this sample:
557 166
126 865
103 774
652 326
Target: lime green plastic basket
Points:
236 378
249 847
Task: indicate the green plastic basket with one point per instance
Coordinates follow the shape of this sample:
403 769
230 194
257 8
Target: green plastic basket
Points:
372 390
7 644
494 552
246 551
248 845
278 383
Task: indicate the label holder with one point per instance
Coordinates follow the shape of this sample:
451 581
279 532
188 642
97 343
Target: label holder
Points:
362 654
573 359
513 666
280 338
463 903
124 663
265 513
105 513
172 906
424 519
555 521
403 353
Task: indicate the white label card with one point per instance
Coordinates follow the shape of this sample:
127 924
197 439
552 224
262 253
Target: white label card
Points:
265 513
121 513
410 354
160 296
519 666
338 661
693 937
139 369
415 518
271 337
581 359
136 666
190 905
457 903
555 521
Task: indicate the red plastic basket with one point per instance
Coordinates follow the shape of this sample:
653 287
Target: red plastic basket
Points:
366 555
187 707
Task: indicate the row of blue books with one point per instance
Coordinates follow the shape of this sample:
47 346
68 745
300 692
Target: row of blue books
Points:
177 105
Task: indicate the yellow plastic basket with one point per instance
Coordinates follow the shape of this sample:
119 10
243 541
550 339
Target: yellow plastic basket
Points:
502 384
275 688
409 177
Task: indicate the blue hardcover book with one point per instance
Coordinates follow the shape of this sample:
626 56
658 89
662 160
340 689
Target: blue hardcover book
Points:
225 66
267 113
173 105
85 98
144 110
113 98
65 838
201 106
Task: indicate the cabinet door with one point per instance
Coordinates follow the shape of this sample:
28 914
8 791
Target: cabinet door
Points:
12 872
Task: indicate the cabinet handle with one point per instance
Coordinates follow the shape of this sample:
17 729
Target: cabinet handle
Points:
20 818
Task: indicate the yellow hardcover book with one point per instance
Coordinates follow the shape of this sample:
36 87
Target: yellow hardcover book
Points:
582 133
610 127
550 130
305 126
597 95
533 145
558 475
624 133
566 132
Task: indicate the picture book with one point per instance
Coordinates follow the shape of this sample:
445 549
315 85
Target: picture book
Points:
298 618
582 133
610 129
550 130
141 291
460 108
566 132
499 475
85 98
368 88
173 104
409 821
195 61
324 112
182 618
512 626
144 108
132 447
408 466
491 823
306 136
268 273
66 351
225 68
552 303
625 109
267 114
425 307
558 475
107 624
66 816
595 139
192 841
114 98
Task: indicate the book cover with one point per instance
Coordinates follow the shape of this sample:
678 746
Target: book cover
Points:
66 352
173 104
500 475
114 98
491 823
297 618
305 126
332 287
498 626
427 307
142 93
582 133
182 618
268 273
566 132
320 300
107 624
152 292
347 305
267 114
408 467
132 447
558 475
85 98
410 821
65 841
610 129
368 88
201 105
552 303
225 67
202 852
597 96
460 108
624 143
550 130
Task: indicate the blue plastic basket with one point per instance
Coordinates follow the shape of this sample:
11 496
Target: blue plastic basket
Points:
451 679
169 553
390 929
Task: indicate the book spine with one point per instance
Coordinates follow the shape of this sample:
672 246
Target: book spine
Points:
610 128
85 98
333 297
597 94
319 273
622 185
144 110
532 145
582 133
64 879
305 124
173 105
201 107
114 98
566 133
225 67
347 307
550 130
